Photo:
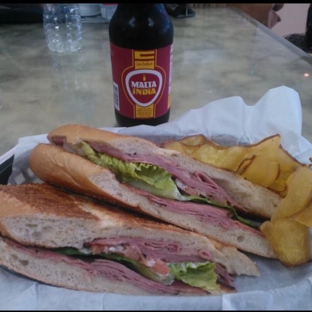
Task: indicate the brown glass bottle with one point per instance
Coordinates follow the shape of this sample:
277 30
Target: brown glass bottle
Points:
141 39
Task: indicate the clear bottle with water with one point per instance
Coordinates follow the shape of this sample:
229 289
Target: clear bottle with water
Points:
63 27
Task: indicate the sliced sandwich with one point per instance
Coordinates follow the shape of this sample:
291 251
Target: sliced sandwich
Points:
135 173
72 241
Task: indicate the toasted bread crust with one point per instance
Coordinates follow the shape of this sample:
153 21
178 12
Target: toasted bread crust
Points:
31 200
76 133
47 201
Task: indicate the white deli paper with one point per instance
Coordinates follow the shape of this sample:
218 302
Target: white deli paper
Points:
225 120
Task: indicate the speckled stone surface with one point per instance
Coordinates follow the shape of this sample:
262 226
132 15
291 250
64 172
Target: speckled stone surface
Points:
217 54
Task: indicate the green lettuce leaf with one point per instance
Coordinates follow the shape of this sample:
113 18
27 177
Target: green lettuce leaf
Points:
145 176
201 275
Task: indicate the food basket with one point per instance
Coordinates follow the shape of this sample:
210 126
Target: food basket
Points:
6 162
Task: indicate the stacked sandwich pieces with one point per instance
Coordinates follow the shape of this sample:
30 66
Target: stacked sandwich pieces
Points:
136 174
210 210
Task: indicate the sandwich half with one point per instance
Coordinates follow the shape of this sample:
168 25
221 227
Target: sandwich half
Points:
137 174
71 241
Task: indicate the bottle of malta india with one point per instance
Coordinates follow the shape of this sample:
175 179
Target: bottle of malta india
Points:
141 46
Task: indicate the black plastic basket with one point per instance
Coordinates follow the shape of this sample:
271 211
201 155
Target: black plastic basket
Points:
5 170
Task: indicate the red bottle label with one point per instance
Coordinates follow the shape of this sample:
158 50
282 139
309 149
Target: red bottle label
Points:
142 81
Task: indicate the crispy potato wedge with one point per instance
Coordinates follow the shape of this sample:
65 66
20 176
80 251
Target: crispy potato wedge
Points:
288 165
261 170
299 194
290 241
304 216
265 163
177 146
226 158
288 230
194 140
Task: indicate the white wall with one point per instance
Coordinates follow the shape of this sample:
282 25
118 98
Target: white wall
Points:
294 17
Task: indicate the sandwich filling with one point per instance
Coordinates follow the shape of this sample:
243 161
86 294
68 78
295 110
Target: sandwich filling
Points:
157 180
123 262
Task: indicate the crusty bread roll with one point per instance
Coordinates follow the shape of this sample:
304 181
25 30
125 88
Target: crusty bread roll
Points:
254 198
54 165
35 218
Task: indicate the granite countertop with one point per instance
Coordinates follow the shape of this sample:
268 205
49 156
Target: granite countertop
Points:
217 54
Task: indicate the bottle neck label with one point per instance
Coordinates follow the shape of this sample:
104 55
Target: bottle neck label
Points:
142 81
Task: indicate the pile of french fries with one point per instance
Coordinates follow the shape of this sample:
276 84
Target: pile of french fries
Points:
268 164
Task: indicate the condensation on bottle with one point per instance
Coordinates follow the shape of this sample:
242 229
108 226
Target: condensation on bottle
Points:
63 27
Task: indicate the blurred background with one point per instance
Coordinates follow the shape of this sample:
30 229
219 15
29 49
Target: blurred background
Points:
293 19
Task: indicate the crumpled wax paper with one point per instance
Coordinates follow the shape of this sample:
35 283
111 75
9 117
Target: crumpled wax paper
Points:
225 120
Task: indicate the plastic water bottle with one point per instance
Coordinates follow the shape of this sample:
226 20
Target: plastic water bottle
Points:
63 27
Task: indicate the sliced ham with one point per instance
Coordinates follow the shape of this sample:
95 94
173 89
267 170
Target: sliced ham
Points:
130 251
58 140
164 250
206 213
198 180
115 271
150 252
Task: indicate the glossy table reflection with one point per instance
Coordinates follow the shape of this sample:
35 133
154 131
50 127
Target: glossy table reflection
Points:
217 54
